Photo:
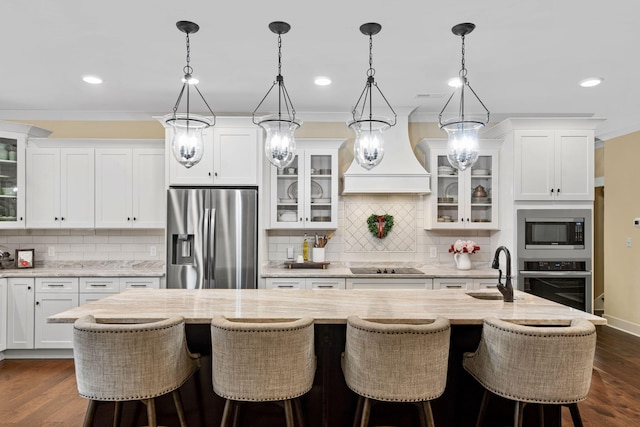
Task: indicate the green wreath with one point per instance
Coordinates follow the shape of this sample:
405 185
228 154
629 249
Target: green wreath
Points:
380 225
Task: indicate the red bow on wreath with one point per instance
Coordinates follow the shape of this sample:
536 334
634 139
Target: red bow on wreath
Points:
381 220
380 225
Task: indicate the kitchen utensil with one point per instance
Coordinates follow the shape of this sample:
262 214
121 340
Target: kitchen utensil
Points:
479 191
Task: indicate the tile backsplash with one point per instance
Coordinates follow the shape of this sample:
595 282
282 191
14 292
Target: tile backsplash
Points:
87 245
408 241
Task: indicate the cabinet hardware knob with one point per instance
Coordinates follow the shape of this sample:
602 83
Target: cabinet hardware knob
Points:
552 190
61 218
558 190
134 218
128 218
37 302
300 219
20 218
209 173
55 218
28 288
215 174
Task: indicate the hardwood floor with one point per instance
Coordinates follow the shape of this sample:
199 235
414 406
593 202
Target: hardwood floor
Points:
42 393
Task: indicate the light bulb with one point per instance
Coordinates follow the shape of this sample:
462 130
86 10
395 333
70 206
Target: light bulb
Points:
279 144
463 143
187 144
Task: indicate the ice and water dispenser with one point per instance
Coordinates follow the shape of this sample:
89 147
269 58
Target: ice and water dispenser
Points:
183 253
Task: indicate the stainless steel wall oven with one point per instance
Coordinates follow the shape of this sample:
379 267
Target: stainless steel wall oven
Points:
554 255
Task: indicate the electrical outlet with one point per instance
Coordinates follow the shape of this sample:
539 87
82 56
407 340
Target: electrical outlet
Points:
290 252
433 252
153 251
628 242
51 251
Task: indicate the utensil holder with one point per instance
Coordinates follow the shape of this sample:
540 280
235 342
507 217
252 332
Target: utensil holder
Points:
318 254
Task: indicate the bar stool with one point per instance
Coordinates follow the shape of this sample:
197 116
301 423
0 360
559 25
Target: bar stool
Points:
262 362
123 362
529 364
396 363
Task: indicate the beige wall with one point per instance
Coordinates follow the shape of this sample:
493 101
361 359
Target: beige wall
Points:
622 205
599 162
100 129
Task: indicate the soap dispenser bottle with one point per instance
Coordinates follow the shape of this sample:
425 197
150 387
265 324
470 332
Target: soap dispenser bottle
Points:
305 248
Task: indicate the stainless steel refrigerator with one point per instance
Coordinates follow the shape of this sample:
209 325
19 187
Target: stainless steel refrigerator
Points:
212 238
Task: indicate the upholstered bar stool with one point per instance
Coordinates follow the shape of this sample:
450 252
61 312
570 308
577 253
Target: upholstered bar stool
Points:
123 362
529 364
262 362
396 363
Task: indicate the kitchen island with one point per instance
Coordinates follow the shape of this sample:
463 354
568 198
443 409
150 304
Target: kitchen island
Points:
330 402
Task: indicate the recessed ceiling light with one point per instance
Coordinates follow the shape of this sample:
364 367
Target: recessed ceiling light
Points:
93 80
322 81
591 82
455 82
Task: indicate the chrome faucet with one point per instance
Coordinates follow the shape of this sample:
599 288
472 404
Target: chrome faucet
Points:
507 289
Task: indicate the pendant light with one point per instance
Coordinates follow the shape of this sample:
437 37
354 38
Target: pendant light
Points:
280 144
187 143
462 127
368 149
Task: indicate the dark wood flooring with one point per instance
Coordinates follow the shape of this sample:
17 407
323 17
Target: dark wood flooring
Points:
42 393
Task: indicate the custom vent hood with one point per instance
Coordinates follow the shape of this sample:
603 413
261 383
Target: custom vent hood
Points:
398 172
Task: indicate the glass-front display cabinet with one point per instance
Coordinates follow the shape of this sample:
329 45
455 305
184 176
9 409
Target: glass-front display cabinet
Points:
305 193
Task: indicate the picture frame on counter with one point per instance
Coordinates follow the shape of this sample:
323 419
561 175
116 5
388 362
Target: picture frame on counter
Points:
24 258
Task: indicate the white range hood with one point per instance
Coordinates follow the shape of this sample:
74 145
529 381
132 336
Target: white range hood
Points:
398 172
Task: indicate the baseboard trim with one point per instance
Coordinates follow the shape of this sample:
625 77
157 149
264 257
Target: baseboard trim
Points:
623 325
38 354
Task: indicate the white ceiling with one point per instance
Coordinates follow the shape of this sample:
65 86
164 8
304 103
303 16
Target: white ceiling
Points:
525 58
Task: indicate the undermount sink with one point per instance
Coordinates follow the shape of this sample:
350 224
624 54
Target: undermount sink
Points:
487 295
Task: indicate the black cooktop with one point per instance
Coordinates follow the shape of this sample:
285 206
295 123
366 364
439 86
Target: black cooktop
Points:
385 270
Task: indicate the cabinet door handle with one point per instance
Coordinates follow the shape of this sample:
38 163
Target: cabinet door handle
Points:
55 285
98 285
138 285
453 286
325 286
285 286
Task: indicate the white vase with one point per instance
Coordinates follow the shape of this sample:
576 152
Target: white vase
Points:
463 262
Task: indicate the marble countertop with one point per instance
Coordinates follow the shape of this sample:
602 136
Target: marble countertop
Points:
89 269
325 306
341 269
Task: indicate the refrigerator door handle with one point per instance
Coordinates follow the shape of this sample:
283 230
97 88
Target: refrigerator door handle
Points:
206 220
211 256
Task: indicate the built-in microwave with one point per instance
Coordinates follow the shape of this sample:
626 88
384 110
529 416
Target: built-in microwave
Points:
558 230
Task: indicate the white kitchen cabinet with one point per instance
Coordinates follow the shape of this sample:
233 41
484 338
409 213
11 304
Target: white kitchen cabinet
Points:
139 283
13 140
3 314
306 283
20 312
130 188
386 283
304 195
553 164
60 187
462 199
54 295
231 157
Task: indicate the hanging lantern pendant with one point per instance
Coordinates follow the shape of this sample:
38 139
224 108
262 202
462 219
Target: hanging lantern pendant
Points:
462 130
187 143
280 144
368 149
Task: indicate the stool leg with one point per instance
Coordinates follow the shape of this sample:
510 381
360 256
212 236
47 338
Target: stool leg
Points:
541 415
117 414
226 412
288 413
358 416
298 409
366 410
178 402
151 412
428 413
575 415
90 414
483 407
517 417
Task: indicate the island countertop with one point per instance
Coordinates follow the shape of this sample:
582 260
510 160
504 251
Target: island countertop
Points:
325 306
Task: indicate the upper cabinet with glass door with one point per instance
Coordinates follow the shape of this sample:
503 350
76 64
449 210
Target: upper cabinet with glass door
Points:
13 140
305 193
462 199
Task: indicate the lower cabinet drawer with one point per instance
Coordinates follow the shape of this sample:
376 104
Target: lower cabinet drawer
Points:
385 283
453 283
288 283
99 284
325 283
139 283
